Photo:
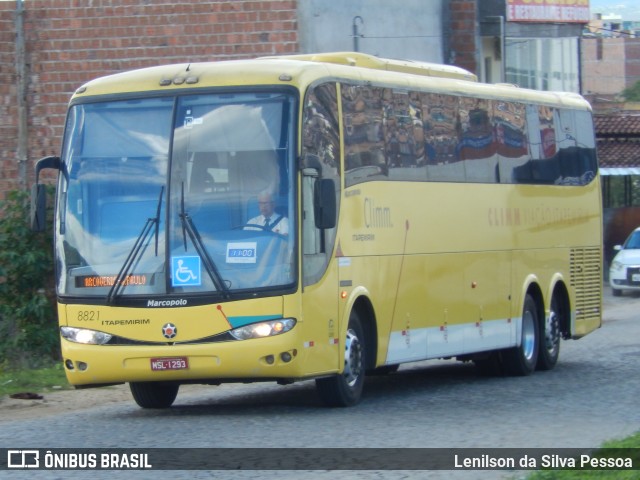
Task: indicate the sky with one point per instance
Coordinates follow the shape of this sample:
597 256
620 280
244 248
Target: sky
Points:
628 9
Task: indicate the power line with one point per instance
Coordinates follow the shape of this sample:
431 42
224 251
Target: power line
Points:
620 32
398 36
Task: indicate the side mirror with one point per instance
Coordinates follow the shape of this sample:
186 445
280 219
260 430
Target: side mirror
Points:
617 248
46 162
324 203
38 207
39 194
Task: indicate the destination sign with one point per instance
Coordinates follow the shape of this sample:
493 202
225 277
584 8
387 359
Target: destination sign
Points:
94 281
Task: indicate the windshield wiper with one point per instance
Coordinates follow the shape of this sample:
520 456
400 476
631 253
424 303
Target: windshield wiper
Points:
135 250
188 227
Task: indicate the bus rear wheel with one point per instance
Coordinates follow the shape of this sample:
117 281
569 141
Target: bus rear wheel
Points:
345 389
550 346
521 360
154 394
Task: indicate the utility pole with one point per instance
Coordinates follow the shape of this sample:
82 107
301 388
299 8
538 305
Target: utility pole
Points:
357 22
22 85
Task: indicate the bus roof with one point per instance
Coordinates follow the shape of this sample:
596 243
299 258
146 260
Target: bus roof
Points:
302 70
363 60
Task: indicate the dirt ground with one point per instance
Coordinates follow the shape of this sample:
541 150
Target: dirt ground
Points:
60 401
56 402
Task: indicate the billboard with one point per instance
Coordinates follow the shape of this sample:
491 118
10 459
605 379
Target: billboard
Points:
564 11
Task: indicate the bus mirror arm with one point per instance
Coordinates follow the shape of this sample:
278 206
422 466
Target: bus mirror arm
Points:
46 162
39 194
324 203
309 160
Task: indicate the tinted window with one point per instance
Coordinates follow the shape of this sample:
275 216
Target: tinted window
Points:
418 136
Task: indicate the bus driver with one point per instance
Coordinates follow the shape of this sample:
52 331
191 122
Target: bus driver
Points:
268 219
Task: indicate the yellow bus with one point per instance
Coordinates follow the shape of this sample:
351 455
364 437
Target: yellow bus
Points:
319 217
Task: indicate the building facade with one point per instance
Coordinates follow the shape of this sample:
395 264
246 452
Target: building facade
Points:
532 44
68 42
609 65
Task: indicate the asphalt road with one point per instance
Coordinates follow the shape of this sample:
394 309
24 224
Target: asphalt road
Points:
590 397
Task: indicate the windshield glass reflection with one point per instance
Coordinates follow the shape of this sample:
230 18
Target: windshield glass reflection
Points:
220 220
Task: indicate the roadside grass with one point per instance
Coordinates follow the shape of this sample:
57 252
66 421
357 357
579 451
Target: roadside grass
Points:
628 447
33 380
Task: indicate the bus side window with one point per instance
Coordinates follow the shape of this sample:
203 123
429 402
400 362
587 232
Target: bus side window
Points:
311 236
441 125
320 142
364 140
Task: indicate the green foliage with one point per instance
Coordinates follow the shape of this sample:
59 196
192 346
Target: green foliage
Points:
632 93
28 324
33 380
621 191
628 447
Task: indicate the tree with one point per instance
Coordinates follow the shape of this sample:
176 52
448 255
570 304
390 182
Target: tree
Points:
632 93
28 324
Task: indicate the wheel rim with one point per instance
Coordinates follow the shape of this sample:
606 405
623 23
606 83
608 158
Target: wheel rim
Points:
528 336
352 358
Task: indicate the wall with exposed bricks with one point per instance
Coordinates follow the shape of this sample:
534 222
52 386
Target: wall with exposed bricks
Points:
71 41
464 34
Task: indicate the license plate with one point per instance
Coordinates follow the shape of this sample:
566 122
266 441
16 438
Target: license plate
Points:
173 363
635 277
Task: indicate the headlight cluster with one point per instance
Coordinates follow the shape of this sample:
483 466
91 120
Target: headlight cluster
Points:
83 335
616 266
263 329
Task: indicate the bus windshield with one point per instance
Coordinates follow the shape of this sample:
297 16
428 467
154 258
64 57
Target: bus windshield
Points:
177 195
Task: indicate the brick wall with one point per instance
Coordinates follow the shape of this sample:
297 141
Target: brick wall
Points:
603 66
464 34
609 65
71 41
8 99
632 61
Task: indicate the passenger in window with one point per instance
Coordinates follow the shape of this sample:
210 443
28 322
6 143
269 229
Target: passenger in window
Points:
269 219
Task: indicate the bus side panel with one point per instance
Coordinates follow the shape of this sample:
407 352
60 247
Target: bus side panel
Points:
321 326
376 278
487 291
462 306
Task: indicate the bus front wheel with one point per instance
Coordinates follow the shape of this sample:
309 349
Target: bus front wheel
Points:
521 360
345 389
154 394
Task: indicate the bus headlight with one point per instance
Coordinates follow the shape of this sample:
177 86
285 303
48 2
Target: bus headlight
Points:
263 329
83 335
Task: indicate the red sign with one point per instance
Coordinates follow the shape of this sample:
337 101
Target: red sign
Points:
564 11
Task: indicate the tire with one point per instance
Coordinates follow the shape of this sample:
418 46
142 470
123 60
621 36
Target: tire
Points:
489 364
154 394
345 389
384 370
550 337
521 360
616 292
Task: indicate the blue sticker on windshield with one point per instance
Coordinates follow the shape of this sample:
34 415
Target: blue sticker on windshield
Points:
185 271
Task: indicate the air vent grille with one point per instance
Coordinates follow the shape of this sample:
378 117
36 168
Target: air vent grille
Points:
586 280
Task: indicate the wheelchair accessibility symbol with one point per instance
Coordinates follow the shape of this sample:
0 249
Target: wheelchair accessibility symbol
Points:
185 271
